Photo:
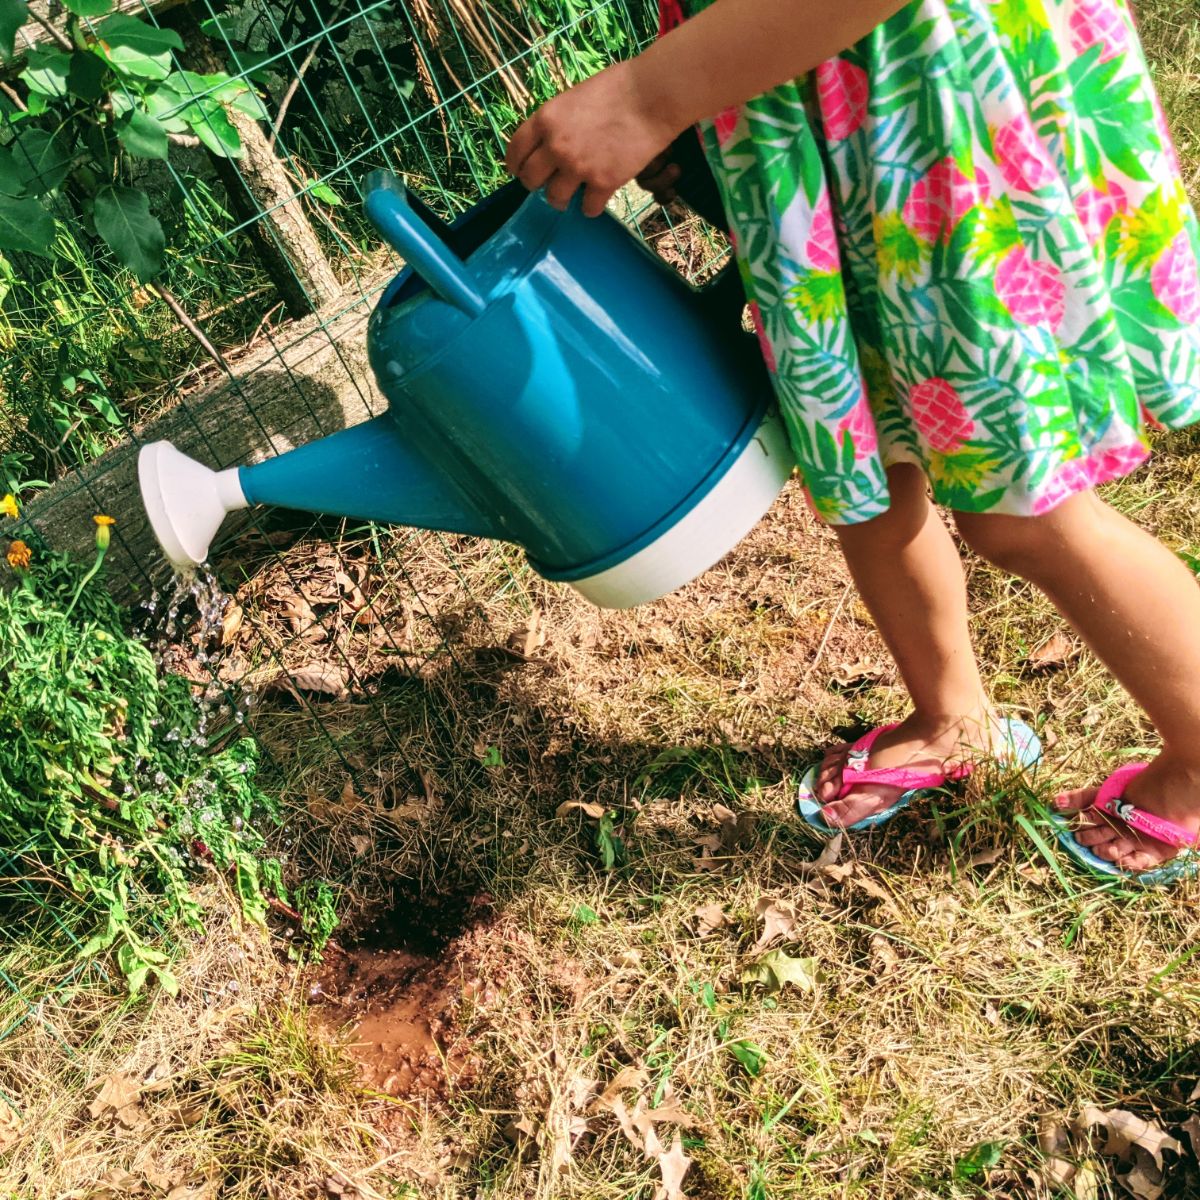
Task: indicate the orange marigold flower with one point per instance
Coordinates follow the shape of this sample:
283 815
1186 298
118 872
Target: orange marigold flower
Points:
101 519
19 556
8 506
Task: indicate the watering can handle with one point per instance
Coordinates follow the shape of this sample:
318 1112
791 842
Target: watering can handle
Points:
386 202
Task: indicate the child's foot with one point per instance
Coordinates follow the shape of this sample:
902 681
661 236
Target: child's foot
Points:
917 743
1166 788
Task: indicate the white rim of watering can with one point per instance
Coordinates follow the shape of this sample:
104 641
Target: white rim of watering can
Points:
707 532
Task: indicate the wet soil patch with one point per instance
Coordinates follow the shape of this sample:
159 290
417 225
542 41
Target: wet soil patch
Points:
401 994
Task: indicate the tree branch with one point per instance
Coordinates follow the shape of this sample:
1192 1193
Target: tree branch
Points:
61 40
186 321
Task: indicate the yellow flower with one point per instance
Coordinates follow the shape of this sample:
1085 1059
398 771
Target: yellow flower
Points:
8 506
19 556
103 525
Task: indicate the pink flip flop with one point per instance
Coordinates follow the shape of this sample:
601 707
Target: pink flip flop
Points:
1023 749
1109 800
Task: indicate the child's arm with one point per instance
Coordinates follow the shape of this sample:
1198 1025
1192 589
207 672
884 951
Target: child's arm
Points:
599 134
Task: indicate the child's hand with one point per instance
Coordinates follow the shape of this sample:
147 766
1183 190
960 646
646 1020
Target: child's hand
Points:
598 135
659 177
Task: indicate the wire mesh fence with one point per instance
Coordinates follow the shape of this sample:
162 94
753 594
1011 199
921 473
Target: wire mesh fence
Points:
250 339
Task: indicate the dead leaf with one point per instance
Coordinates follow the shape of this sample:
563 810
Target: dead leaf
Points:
985 857
361 843
1144 1181
1191 1127
349 799
567 1131
883 955
231 623
119 1098
10 1127
776 970
626 1077
158 1077
580 1090
671 1112
826 863
1195 1094
709 918
1086 1183
855 676
593 810
324 677
1054 1141
1053 653
196 1189
673 1165
780 921
1124 1130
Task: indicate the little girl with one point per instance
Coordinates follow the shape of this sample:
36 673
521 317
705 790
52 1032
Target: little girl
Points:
973 268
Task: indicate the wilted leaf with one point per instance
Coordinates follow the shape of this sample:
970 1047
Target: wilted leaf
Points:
1191 1127
709 918
119 1094
673 1164
883 955
1144 1181
231 623
985 858
854 676
360 842
735 830
10 1127
626 1077
589 807
1124 1130
671 1112
780 920
523 1134
325 678
776 970
1053 653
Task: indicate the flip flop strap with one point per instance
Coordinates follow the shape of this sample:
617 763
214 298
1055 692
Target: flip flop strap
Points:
856 772
1110 800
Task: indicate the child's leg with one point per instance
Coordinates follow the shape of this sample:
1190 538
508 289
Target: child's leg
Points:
1138 608
910 577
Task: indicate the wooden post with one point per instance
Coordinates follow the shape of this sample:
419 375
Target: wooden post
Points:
262 195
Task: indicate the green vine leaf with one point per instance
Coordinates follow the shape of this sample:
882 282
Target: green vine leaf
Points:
88 8
142 135
10 185
47 72
85 77
13 15
133 47
40 160
124 221
25 225
211 124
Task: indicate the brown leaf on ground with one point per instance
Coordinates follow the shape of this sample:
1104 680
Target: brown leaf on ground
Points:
10 1127
231 623
884 959
671 1112
1124 1130
709 918
855 676
673 1165
589 807
325 678
780 920
1191 1127
119 1098
1055 652
985 857
626 1077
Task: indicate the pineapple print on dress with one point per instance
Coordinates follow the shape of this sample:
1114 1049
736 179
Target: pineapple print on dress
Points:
1175 279
1098 23
940 415
1012 266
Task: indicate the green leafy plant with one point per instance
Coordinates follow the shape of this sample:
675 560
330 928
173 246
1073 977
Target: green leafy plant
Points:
118 788
102 96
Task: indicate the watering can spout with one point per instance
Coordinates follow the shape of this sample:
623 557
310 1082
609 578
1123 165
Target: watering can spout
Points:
370 471
185 501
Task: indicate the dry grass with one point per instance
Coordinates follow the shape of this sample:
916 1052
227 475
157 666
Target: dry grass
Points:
968 990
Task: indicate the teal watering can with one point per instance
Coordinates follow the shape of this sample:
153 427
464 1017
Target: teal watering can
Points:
550 383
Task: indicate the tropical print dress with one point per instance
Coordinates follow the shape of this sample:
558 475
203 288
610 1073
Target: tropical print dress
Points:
967 245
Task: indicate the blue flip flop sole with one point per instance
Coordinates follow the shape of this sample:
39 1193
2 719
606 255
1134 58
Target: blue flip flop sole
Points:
1026 752
1185 865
